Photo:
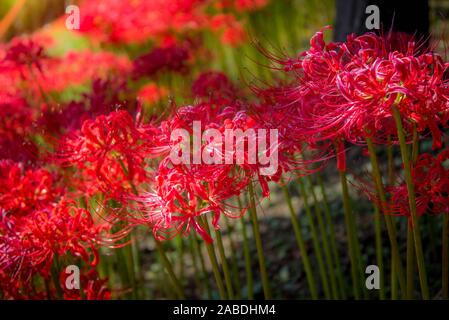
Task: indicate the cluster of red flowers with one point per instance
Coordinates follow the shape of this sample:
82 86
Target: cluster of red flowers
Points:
57 154
181 193
108 152
431 181
140 20
347 91
38 228
73 132
42 226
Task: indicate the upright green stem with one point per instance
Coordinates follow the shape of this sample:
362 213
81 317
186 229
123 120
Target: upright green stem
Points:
235 266
213 260
445 256
333 238
379 251
205 278
315 240
135 250
55 270
410 241
352 237
180 250
410 262
394 282
324 239
391 176
224 263
258 239
168 267
196 270
247 254
391 229
412 203
301 244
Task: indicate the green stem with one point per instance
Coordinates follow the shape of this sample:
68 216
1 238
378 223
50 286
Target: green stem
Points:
247 254
410 262
352 237
315 240
235 266
379 251
410 241
258 239
196 270
180 251
135 250
390 173
301 244
394 282
391 228
47 288
445 256
55 270
324 239
169 268
224 263
213 260
130 268
412 203
333 238
198 252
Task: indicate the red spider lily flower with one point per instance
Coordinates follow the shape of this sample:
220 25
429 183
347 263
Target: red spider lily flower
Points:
38 226
182 193
19 290
232 32
19 149
29 244
77 68
92 287
172 58
24 191
42 74
214 85
299 153
111 148
431 180
22 53
151 93
345 91
120 21
105 97
16 119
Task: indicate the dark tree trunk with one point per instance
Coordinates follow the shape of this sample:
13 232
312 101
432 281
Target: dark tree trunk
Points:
409 16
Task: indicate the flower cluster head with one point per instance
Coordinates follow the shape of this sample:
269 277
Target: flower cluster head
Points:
431 180
172 58
188 185
121 21
110 151
214 85
346 91
91 285
38 226
23 53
